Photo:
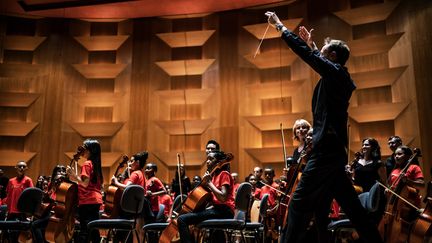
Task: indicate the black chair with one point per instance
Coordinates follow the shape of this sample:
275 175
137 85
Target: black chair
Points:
28 204
372 201
258 228
238 223
131 202
157 227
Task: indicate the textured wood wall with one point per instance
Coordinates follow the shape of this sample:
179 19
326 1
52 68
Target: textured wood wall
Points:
167 85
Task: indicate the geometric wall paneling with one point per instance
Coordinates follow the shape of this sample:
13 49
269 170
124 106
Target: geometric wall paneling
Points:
102 43
100 71
191 158
20 70
272 59
378 44
377 112
108 158
177 97
17 99
258 30
272 122
367 14
17 129
185 127
186 39
271 90
269 155
99 100
377 78
96 129
22 43
10 158
185 67
355 146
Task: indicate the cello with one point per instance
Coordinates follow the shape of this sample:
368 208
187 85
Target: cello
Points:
398 215
61 224
196 200
113 195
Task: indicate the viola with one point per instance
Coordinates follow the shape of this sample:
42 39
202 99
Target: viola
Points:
113 195
399 214
61 224
196 201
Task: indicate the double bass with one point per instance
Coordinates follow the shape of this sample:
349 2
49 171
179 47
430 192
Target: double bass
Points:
61 224
400 212
196 200
113 195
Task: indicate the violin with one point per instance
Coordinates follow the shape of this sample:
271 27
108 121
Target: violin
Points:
195 201
113 194
399 215
61 224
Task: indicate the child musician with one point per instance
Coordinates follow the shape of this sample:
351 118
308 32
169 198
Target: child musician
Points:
89 188
221 185
153 187
14 189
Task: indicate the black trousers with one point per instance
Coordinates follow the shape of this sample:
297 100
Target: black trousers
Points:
87 213
217 212
323 179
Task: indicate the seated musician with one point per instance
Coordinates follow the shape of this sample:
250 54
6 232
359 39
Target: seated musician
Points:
220 185
135 166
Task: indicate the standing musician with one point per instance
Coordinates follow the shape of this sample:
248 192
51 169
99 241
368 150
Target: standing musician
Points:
153 187
300 129
367 168
14 189
221 187
185 182
324 176
89 188
393 143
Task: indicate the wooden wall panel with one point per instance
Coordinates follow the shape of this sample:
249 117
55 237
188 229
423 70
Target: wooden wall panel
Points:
137 96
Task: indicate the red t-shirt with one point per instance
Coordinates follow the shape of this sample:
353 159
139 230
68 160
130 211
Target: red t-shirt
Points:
413 172
154 185
166 200
271 192
13 190
224 178
136 178
236 186
92 193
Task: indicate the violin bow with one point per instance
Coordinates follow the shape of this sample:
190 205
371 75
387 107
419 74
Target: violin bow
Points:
179 176
397 195
283 145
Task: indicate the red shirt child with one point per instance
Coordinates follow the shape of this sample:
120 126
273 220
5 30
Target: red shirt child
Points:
15 187
153 187
224 179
